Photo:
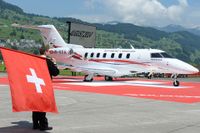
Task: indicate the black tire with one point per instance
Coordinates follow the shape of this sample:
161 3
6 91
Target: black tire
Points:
91 80
176 83
85 79
108 78
149 77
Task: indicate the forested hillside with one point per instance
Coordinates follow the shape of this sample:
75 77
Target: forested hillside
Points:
183 45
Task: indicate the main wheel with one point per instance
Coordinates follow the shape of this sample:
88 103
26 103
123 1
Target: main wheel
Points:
176 83
149 77
87 80
108 78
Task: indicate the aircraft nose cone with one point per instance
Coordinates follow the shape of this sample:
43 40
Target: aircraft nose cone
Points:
193 70
184 67
196 70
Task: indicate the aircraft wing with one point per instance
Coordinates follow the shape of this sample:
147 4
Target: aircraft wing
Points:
98 69
93 69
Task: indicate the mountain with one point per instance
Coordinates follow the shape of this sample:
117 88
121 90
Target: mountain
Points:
175 28
195 31
5 5
69 19
131 31
172 28
181 44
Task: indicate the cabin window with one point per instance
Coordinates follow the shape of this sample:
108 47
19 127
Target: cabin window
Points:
112 55
104 55
156 55
128 56
98 54
120 55
92 55
86 54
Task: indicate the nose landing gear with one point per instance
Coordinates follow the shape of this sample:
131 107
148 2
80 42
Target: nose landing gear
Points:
175 82
150 75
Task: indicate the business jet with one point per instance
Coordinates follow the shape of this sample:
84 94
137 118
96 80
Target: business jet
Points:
109 62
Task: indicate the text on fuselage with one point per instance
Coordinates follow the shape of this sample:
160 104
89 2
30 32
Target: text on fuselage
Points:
58 51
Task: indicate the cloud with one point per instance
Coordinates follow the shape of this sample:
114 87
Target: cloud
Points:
89 4
175 11
144 12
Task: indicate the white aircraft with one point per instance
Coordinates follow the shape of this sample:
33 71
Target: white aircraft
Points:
110 62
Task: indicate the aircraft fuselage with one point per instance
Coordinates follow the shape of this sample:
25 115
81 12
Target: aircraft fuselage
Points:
119 62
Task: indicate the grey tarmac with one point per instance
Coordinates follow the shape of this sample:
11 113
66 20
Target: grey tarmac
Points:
97 113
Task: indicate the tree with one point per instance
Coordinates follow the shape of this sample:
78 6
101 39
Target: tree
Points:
13 33
22 36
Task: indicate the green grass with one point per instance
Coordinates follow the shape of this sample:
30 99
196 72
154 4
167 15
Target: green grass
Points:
70 73
62 72
2 68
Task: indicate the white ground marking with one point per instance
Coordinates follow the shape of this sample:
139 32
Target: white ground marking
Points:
60 87
4 85
129 83
162 96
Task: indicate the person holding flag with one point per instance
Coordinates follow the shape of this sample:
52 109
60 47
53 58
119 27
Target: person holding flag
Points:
31 85
39 118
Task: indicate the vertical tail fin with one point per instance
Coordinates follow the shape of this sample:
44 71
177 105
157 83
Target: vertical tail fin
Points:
50 35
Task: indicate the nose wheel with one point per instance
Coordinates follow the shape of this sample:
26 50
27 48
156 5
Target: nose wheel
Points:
176 82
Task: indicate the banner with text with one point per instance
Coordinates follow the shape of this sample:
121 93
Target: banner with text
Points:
82 34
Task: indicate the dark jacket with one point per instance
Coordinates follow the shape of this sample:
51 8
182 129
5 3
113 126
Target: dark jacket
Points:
53 70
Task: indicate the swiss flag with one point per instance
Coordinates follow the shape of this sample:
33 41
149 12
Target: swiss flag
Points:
30 82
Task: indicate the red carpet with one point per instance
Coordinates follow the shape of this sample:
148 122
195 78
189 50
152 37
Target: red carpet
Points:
187 92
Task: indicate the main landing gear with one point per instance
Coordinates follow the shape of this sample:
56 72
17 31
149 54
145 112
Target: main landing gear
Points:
150 75
175 82
88 78
108 78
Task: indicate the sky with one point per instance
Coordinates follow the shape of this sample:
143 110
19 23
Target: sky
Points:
140 12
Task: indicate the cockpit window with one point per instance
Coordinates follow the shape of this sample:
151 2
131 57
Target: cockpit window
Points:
156 55
165 55
160 55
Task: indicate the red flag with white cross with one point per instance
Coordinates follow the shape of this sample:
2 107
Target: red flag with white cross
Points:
30 82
